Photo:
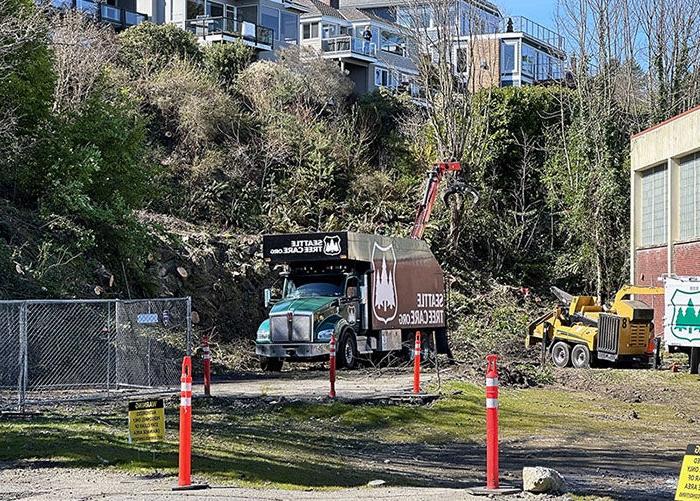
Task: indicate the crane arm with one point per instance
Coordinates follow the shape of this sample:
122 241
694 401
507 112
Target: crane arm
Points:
432 187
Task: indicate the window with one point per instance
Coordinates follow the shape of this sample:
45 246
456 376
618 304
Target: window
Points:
215 9
507 57
393 42
310 30
194 9
381 77
270 18
329 30
690 197
289 27
654 204
248 13
529 59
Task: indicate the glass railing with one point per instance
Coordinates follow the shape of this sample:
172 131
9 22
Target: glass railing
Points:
102 11
519 24
206 26
349 44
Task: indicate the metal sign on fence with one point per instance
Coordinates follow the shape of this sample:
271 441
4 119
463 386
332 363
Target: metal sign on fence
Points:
147 318
147 421
59 350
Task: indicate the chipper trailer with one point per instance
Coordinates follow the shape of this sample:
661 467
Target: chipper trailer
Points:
579 331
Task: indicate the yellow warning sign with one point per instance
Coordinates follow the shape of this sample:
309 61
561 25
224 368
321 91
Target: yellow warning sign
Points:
146 421
689 479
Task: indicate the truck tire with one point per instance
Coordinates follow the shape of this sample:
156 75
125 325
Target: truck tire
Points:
347 350
561 354
581 357
271 364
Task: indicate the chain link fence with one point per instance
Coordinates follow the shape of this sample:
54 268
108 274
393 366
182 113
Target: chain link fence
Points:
62 350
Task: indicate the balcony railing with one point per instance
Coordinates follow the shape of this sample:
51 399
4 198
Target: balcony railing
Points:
519 24
207 26
350 44
120 17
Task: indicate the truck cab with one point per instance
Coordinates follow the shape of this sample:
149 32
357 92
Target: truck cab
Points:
346 285
317 303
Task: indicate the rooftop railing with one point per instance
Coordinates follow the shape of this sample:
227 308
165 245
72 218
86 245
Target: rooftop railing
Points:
116 15
519 24
206 26
349 44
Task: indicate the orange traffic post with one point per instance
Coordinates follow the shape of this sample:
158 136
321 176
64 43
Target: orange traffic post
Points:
416 364
492 477
184 480
331 394
206 356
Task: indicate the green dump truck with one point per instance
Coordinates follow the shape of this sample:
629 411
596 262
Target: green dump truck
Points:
372 292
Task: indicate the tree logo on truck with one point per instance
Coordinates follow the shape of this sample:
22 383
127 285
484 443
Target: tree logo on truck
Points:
331 245
685 316
384 266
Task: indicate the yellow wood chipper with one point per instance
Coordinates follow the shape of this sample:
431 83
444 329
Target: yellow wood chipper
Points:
580 332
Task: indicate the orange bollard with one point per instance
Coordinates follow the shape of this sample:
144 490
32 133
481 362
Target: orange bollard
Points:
331 394
491 422
206 356
492 478
184 480
416 364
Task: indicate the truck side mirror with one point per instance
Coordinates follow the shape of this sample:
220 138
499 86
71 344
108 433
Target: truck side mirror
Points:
268 297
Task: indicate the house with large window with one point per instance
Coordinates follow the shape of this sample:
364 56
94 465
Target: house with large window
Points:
488 49
380 60
265 25
665 203
121 14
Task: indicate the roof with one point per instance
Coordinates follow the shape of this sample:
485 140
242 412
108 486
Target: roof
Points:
661 124
318 8
368 4
353 14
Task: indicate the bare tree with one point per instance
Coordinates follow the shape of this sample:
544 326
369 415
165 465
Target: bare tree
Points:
82 49
19 26
451 46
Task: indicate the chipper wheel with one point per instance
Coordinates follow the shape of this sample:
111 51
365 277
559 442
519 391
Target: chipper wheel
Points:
581 357
561 354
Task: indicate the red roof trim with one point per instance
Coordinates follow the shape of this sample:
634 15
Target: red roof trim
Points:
661 124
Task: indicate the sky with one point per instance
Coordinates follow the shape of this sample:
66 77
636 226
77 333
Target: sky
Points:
540 11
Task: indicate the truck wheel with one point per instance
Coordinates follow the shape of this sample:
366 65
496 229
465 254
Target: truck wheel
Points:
347 351
561 354
271 364
581 357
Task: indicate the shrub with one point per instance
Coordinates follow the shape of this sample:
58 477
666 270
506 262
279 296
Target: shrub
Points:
148 47
225 61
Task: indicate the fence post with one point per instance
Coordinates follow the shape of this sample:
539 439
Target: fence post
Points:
206 356
23 370
109 344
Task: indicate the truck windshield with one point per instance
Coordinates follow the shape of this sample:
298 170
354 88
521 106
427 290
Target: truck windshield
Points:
314 289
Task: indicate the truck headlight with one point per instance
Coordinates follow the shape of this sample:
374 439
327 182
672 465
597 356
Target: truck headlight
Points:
263 333
324 335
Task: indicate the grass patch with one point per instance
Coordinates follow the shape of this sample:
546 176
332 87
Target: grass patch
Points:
327 445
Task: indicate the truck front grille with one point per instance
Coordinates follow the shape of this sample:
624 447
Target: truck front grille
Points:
608 333
282 332
301 328
279 329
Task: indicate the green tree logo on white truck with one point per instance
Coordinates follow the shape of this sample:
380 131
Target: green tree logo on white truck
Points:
685 319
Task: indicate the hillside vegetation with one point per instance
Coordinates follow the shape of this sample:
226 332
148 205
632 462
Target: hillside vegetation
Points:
128 159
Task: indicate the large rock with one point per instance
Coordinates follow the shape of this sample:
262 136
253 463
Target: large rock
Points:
539 480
